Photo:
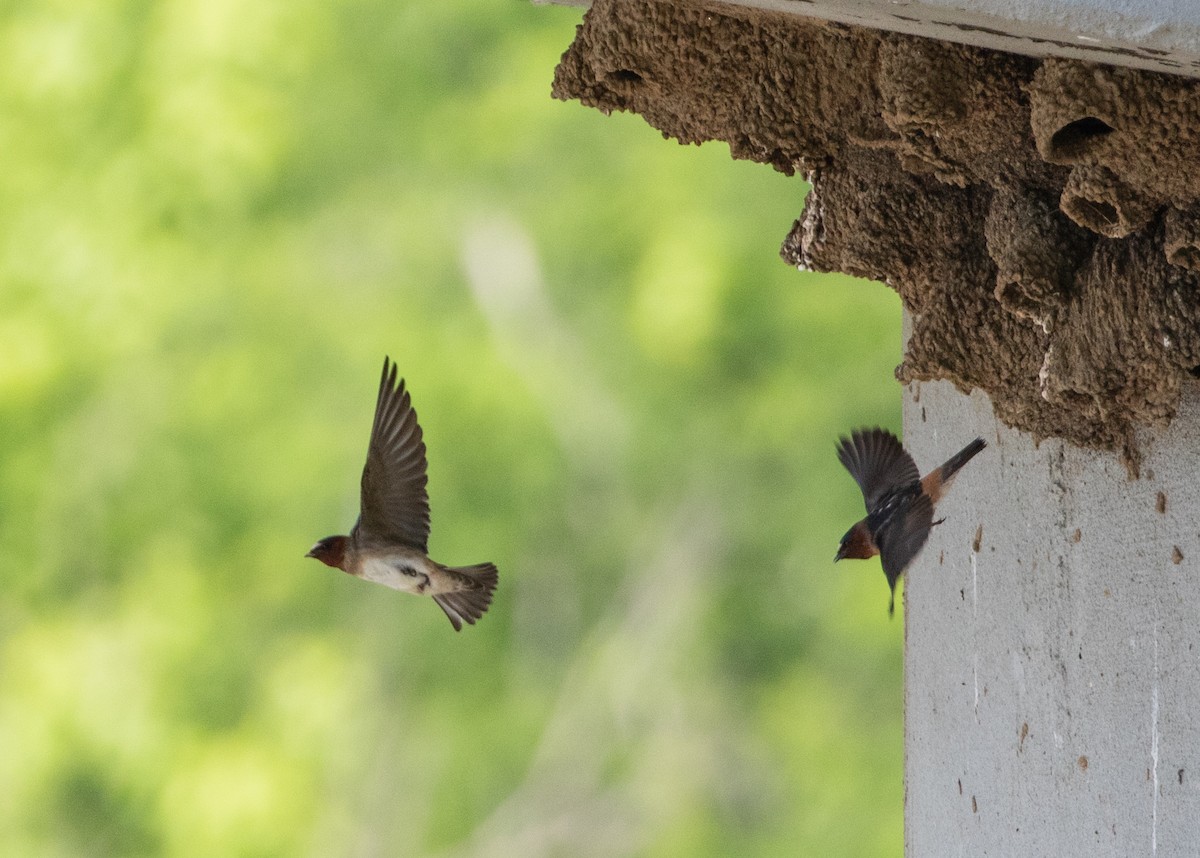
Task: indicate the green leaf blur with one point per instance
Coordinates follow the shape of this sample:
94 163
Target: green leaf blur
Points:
216 218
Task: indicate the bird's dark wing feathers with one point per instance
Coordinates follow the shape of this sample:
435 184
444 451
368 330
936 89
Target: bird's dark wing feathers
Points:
878 463
902 535
395 504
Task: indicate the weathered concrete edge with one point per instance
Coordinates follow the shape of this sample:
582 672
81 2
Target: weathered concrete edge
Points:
1172 47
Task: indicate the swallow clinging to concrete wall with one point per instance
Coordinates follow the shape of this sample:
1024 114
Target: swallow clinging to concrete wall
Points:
899 501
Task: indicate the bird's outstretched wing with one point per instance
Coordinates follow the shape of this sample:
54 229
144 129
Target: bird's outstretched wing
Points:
395 504
878 463
903 537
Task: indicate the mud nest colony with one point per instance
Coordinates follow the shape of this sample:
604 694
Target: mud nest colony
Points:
1040 219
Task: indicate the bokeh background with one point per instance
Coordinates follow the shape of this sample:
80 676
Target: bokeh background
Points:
216 218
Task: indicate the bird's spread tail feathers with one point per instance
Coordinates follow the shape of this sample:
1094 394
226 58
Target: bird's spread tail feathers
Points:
937 481
955 462
468 604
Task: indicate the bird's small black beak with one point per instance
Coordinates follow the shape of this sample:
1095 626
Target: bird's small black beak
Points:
310 553
841 554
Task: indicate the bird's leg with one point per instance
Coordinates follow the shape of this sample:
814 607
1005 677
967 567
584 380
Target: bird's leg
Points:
413 573
936 523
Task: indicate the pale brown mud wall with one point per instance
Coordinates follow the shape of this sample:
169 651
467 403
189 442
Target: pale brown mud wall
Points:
1039 218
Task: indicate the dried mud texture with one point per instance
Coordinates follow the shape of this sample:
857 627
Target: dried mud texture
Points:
1040 219
1037 252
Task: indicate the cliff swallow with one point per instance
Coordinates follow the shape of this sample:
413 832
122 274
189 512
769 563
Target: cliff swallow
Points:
388 542
899 501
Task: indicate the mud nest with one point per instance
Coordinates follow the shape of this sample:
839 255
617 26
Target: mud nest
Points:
1039 218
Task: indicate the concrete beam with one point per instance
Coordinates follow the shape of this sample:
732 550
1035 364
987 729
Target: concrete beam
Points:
1157 35
1052 670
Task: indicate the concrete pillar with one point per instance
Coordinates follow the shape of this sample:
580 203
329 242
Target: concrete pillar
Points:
1052 669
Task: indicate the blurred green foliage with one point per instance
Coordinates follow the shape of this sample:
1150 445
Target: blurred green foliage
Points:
215 220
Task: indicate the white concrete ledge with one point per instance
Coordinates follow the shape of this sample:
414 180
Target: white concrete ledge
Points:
1158 35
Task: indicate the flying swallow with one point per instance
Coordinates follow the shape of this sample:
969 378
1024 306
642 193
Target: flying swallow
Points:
388 544
899 501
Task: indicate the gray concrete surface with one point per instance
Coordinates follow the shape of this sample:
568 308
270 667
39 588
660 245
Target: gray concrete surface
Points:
1053 644
1160 35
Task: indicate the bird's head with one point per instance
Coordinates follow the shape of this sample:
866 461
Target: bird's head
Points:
857 544
331 551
